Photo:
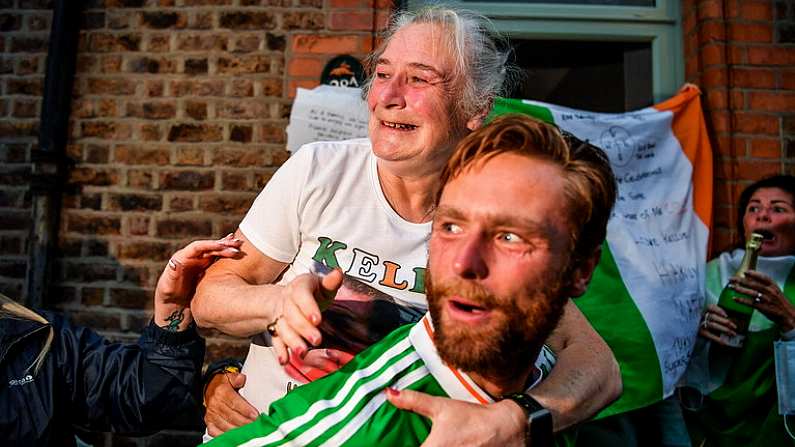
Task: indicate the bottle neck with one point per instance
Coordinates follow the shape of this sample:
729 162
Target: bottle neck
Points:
749 260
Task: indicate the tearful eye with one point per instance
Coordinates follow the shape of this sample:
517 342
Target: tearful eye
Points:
451 228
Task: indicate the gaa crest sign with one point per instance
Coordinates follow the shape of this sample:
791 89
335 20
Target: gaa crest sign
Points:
343 71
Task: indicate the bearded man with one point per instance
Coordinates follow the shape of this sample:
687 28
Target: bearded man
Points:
520 220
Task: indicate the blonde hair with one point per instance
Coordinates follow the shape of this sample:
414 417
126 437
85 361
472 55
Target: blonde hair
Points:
12 310
589 183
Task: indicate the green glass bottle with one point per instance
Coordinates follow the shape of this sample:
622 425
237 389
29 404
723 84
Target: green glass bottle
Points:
740 313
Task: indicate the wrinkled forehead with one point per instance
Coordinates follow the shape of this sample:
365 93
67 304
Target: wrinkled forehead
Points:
428 44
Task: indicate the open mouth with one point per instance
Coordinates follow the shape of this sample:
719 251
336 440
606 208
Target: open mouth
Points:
398 126
467 311
766 234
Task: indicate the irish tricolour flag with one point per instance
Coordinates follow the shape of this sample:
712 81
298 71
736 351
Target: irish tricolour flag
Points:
646 295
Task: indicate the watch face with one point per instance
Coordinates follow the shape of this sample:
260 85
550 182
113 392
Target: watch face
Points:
539 428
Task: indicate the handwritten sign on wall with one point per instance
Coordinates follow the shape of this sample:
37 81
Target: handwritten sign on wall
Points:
326 113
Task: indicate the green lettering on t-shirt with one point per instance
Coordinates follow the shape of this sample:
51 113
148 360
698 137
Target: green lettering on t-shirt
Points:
419 280
326 252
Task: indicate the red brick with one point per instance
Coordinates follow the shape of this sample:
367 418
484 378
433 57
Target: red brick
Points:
111 86
195 133
201 42
196 110
303 20
147 251
772 101
756 123
787 79
348 3
83 175
756 170
242 109
158 44
710 9
318 44
93 225
226 204
151 110
719 120
163 20
106 130
181 228
361 20
713 54
137 225
234 181
302 66
753 77
766 148
241 88
246 44
751 32
714 77
179 203
130 298
189 156
187 180
150 132
102 42
771 55
139 179
141 155
135 202
247 64
272 87
711 31
238 158
756 10
247 21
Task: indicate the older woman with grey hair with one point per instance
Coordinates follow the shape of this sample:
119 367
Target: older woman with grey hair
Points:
365 207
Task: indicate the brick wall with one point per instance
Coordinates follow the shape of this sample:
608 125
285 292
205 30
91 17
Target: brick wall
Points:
178 120
23 40
742 54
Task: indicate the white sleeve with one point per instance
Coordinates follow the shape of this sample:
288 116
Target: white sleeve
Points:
273 222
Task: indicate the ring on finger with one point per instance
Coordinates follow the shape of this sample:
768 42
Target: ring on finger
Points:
271 328
758 298
705 322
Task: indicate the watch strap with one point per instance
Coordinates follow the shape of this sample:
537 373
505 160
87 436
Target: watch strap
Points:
539 420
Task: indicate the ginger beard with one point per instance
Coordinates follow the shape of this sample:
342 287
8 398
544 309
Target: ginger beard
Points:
515 332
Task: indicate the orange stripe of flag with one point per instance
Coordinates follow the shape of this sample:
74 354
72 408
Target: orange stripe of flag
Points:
689 128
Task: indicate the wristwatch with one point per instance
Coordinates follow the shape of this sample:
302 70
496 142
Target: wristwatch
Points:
539 420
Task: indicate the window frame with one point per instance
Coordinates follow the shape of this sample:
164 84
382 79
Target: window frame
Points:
661 26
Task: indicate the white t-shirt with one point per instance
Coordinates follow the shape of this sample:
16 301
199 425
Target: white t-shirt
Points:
325 204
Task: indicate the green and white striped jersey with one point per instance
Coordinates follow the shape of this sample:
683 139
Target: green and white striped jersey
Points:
349 407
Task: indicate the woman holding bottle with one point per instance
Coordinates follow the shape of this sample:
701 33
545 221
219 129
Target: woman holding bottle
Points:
732 369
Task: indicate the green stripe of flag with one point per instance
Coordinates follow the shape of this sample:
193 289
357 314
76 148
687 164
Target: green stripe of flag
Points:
612 312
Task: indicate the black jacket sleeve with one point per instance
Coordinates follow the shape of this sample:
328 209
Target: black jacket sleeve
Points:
133 388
